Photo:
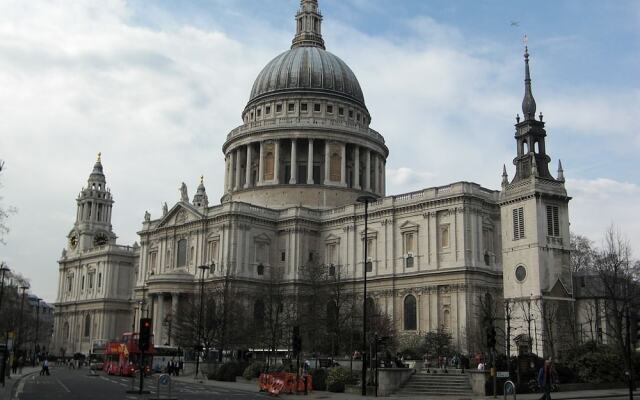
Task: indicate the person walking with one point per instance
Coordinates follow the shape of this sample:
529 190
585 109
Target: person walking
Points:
544 380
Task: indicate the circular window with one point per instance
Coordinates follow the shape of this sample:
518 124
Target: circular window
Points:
521 273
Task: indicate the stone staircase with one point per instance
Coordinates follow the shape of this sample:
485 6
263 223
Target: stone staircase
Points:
437 382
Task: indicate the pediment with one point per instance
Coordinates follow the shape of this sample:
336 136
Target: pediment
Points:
263 238
370 233
331 238
180 214
409 226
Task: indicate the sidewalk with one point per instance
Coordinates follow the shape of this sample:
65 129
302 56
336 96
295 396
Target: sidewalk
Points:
252 386
6 391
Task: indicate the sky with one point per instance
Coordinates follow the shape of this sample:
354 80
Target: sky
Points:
157 85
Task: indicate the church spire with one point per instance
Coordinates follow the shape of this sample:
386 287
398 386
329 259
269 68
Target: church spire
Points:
308 26
528 102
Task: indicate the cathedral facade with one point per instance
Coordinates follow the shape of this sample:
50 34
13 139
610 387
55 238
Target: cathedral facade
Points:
293 172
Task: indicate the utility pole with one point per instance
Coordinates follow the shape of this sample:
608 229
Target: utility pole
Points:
35 340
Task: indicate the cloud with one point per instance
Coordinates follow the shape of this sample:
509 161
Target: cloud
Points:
158 99
598 203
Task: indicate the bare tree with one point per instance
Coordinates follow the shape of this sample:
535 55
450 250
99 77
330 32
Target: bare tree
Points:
621 290
340 311
5 212
582 253
313 305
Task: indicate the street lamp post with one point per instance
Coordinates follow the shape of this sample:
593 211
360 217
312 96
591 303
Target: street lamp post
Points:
366 199
35 340
19 341
4 269
199 333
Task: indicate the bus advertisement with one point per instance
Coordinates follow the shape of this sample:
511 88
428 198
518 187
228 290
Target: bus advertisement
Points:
123 357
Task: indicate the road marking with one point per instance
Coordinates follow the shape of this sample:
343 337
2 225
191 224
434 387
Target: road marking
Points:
19 389
63 386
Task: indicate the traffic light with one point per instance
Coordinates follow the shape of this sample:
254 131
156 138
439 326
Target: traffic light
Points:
296 341
491 337
144 340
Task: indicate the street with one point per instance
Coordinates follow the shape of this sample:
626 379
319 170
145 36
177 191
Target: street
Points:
72 384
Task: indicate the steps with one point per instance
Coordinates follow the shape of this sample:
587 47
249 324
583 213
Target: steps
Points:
422 383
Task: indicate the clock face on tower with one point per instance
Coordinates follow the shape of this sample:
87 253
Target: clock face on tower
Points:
73 241
100 239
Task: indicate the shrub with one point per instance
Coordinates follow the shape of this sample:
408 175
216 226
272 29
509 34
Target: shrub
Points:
226 372
597 364
337 378
319 379
253 370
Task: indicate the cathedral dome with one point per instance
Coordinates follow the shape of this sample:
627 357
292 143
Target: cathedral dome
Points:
308 69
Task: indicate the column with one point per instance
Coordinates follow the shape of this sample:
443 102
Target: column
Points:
356 169
327 161
159 334
343 165
226 173
294 162
310 163
174 314
261 165
276 162
384 177
367 177
238 168
248 168
376 171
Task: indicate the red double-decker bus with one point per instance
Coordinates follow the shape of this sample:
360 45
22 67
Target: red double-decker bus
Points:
123 357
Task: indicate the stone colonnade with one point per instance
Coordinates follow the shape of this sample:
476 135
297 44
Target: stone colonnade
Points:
159 306
305 161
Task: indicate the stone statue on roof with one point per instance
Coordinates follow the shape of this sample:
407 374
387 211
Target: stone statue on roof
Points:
184 196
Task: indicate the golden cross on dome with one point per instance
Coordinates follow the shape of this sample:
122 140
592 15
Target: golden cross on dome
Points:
525 40
201 179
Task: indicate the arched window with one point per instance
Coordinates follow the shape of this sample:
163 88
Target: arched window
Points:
87 325
525 146
260 269
332 270
410 311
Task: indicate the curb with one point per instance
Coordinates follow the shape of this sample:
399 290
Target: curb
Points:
17 382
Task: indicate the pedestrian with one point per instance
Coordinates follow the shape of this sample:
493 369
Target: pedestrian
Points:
14 365
169 367
544 380
45 367
305 373
20 364
180 366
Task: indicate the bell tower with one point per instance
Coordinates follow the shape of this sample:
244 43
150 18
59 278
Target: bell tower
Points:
93 216
535 236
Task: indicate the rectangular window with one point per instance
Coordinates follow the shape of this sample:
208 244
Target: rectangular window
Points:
259 112
350 113
329 109
340 111
283 256
99 279
213 250
303 107
518 223
182 253
316 107
553 221
291 107
310 256
409 246
91 281
267 110
82 285
69 283
369 265
278 108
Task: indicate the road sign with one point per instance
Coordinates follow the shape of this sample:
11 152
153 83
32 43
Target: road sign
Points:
164 379
503 374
